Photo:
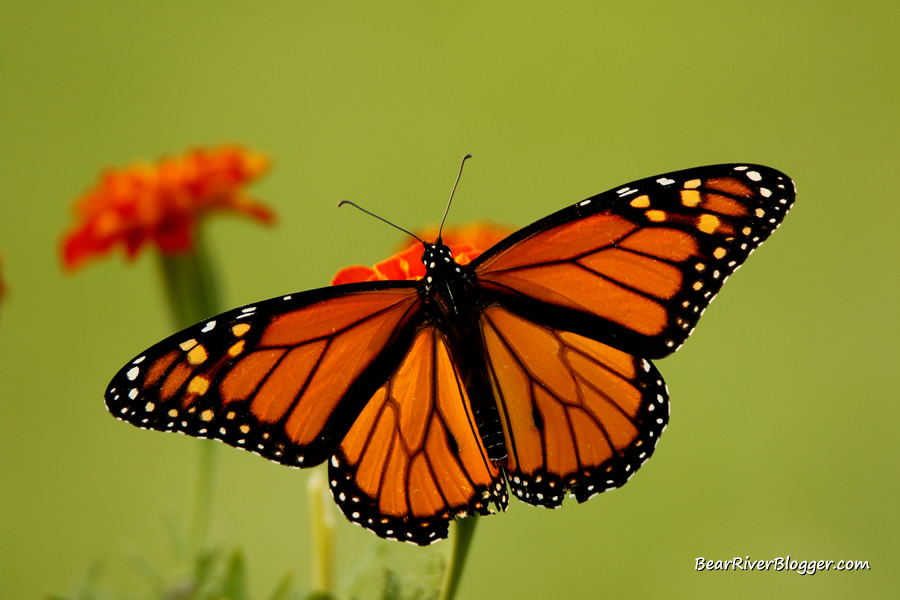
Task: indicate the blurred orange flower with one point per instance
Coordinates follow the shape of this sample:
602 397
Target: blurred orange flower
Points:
466 243
161 203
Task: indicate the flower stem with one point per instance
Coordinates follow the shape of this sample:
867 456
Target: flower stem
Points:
322 532
462 541
193 292
191 285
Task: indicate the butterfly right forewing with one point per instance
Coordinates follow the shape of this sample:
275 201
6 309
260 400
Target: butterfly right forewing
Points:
635 267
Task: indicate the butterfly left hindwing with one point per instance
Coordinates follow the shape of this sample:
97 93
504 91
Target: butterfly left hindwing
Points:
414 460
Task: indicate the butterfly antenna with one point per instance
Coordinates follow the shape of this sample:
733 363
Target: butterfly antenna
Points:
355 205
453 191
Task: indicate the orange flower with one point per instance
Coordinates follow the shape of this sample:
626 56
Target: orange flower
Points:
466 243
161 203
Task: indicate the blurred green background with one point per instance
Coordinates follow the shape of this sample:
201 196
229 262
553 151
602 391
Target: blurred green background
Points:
783 438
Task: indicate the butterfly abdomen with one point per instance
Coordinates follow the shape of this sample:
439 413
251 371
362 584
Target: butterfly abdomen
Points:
454 306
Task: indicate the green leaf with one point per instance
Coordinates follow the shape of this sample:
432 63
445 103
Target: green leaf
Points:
234 585
283 589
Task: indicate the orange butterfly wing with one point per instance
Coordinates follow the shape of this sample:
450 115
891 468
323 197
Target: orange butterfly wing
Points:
414 460
577 302
577 415
635 267
284 378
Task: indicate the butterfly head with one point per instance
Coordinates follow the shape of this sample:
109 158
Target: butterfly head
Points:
440 267
437 256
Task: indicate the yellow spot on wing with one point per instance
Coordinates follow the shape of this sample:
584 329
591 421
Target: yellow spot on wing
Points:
240 329
690 198
692 184
173 412
197 355
708 223
719 252
656 215
641 201
207 415
198 385
237 348
188 344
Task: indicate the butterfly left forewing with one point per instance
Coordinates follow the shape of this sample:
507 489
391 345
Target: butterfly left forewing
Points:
284 378
636 266
413 460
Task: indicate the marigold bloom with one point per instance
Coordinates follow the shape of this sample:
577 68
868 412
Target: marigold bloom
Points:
161 203
466 244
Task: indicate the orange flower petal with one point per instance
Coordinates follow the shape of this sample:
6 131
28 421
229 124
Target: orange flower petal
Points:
353 275
466 244
162 203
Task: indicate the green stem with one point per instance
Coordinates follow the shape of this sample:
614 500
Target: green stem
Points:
462 541
206 467
191 285
193 293
322 532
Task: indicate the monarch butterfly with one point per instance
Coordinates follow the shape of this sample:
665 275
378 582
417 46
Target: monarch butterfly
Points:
527 369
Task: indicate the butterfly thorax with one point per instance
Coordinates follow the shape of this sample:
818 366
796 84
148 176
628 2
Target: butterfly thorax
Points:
446 284
454 306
